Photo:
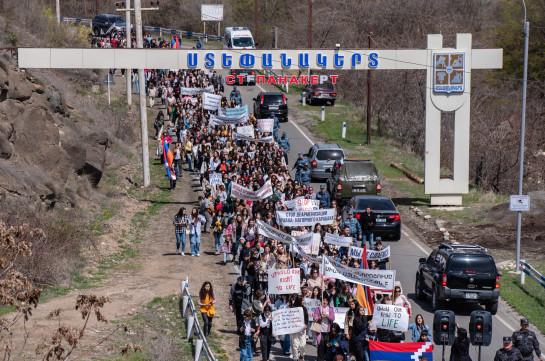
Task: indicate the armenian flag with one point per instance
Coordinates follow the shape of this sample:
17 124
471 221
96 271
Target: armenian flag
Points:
168 156
363 293
412 351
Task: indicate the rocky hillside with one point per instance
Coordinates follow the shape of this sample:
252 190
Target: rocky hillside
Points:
51 155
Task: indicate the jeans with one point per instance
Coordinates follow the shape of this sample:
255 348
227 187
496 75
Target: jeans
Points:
366 356
195 243
137 83
246 352
180 238
207 320
224 257
286 344
189 162
371 240
218 238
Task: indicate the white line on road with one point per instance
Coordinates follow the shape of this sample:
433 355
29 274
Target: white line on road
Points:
505 323
414 242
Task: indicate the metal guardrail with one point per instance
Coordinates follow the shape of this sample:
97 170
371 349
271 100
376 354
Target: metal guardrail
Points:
182 33
532 273
192 325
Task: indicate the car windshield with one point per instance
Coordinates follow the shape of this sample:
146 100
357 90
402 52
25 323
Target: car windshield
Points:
362 168
328 86
116 20
273 99
243 42
377 204
472 264
329 154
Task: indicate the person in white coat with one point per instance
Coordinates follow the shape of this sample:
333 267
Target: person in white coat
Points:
196 221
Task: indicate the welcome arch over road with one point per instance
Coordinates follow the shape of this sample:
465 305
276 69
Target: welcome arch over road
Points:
448 83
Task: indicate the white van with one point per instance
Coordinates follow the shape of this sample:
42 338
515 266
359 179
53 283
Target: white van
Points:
238 38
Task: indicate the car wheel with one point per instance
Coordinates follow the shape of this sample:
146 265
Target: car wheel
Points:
332 103
418 290
309 100
436 303
492 307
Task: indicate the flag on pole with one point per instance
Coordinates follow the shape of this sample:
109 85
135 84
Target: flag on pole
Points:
411 351
166 156
177 43
363 293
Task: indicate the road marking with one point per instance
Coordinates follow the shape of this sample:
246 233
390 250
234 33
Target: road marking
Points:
295 124
505 323
414 242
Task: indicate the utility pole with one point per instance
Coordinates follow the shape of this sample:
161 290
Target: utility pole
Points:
310 24
522 129
96 7
142 83
128 72
369 97
255 19
58 8
275 45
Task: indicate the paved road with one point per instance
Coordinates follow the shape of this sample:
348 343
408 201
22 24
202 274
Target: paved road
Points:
405 254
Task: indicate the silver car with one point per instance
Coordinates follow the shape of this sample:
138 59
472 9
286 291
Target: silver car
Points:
322 159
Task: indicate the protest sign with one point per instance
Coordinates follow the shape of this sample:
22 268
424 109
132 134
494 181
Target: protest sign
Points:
242 192
247 131
378 255
380 279
265 125
237 112
305 218
355 252
340 314
310 243
196 91
338 240
284 281
288 320
303 254
223 120
271 232
211 101
302 204
257 140
215 179
391 317
312 304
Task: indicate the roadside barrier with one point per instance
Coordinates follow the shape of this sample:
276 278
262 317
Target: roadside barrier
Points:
156 29
532 273
189 313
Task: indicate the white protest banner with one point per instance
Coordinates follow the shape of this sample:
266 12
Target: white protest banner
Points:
310 243
391 317
381 279
283 281
340 314
338 240
242 192
215 179
247 131
257 140
305 218
307 204
196 91
265 125
271 232
288 320
312 304
355 252
211 101
303 254
250 154
237 112
222 120
378 255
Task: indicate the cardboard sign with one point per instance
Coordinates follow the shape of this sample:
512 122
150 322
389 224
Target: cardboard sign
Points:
355 252
247 131
305 218
381 279
340 314
288 320
211 101
265 125
215 179
271 232
391 317
312 304
340 241
284 281
310 244
242 192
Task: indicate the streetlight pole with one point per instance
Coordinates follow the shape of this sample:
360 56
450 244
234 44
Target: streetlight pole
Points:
128 72
522 129
369 97
142 84
310 24
255 20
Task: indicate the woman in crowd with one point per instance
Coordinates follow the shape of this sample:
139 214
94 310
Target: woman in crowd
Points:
265 332
460 348
324 315
206 302
417 327
196 221
299 339
401 300
180 226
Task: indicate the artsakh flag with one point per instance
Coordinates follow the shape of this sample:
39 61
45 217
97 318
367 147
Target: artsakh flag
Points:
412 351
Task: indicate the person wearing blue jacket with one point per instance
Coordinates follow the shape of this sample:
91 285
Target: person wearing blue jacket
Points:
417 327
323 197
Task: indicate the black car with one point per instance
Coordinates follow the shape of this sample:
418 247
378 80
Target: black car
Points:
461 273
388 220
269 105
245 73
108 23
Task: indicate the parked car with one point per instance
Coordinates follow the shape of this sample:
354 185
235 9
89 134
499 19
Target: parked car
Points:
323 159
104 23
324 92
268 105
461 273
354 177
245 72
388 224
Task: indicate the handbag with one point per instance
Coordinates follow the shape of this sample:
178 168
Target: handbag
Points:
316 327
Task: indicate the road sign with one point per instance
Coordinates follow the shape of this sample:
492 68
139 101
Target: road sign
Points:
519 203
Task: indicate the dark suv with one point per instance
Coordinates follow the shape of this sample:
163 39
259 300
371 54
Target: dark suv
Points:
106 23
269 105
354 177
458 272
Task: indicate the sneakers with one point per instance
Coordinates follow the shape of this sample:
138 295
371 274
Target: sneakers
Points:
192 255
198 255
182 254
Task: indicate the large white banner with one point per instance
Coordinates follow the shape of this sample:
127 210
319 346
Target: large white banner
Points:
340 314
265 125
391 317
380 279
215 179
284 281
211 101
303 254
312 304
308 242
223 120
288 320
242 192
305 218
248 139
237 112
196 91
378 255
247 131
340 241
271 232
